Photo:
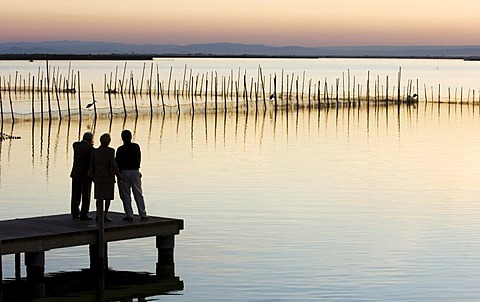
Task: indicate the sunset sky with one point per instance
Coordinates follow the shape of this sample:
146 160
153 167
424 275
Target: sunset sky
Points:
279 22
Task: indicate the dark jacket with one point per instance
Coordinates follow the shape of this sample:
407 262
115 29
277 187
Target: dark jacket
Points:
102 165
128 156
82 152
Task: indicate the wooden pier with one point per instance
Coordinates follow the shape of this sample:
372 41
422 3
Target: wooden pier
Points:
34 236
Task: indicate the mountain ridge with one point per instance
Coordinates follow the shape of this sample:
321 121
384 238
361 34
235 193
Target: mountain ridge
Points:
232 49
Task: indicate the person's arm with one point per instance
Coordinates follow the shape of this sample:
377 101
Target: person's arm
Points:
139 155
91 168
113 165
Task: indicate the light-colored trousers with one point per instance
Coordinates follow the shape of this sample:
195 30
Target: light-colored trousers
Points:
132 182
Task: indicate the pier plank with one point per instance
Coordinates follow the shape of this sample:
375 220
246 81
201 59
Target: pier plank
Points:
59 231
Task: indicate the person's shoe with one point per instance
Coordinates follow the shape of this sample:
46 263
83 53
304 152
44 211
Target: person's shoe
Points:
85 218
126 218
106 219
144 218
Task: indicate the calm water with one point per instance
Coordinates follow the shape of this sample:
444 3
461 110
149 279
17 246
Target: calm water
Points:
355 204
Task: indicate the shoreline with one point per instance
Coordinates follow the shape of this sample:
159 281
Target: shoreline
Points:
149 57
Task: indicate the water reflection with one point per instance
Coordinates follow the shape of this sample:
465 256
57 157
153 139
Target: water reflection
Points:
52 137
86 286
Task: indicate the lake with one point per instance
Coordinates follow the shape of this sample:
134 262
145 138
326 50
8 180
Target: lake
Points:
350 203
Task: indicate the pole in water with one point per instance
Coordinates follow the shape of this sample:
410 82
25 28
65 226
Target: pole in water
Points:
11 104
192 96
134 96
58 102
93 103
110 100
1 102
41 99
48 94
169 80
123 98
150 97
79 100
141 82
163 102
275 91
33 101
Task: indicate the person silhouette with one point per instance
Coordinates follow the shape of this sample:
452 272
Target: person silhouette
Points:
81 183
128 159
103 169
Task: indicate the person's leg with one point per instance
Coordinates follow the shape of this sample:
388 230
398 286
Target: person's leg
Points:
86 195
105 214
138 194
75 199
125 194
100 211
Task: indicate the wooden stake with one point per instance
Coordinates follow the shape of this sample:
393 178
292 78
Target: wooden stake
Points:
68 99
169 80
94 104
58 102
178 98
123 76
79 99
163 103
399 83
33 101
192 96
1 103
41 99
150 95
109 100
183 83
123 98
141 82
275 91
48 94
296 94
134 98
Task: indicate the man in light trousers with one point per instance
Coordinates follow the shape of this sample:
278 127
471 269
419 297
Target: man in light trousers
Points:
128 160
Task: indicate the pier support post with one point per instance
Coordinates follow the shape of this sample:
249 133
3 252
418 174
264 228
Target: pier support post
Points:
94 259
1 274
101 244
35 263
18 269
166 264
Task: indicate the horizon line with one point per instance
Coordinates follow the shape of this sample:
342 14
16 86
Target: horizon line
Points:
240 43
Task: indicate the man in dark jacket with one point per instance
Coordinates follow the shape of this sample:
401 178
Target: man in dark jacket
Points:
81 183
128 159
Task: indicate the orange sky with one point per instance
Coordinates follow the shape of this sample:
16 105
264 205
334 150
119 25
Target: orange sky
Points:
300 22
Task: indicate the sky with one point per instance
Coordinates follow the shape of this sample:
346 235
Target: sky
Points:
271 22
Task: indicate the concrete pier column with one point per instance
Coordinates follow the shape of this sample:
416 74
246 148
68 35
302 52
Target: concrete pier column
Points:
18 268
94 256
35 263
166 263
1 274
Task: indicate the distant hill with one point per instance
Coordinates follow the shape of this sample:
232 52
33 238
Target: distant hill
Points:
232 49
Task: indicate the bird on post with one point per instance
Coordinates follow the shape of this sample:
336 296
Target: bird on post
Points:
91 104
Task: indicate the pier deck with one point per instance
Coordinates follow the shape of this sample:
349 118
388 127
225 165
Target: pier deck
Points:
59 231
34 236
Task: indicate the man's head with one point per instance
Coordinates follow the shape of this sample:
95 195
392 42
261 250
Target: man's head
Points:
105 139
126 136
88 137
